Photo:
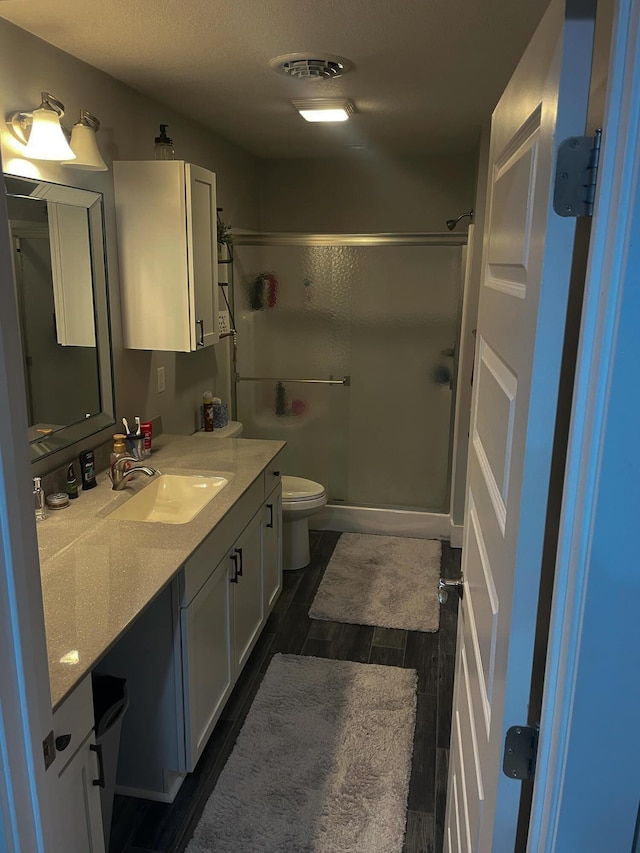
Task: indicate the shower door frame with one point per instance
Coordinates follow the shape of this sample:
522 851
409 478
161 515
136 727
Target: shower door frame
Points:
356 517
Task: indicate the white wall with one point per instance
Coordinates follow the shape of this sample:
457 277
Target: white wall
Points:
365 193
129 123
467 344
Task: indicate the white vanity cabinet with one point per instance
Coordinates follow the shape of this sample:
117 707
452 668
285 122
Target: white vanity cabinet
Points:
184 654
207 659
166 219
78 763
272 549
247 580
221 623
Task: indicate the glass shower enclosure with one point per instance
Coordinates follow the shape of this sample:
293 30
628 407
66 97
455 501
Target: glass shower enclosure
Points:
346 349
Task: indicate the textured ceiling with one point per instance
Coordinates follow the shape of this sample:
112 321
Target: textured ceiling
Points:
426 72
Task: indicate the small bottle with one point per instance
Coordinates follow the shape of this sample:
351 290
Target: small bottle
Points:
164 146
39 499
72 483
88 470
207 410
119 449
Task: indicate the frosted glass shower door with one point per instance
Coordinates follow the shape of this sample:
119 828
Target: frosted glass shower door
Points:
386 315
404 311
293 323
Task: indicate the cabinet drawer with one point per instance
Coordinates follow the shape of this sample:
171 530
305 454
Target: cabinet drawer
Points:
272 474
75 718
202 563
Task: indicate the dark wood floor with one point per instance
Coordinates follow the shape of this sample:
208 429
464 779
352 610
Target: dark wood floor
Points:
140 826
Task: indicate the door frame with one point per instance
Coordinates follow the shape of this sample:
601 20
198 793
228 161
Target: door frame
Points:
568 724
27 791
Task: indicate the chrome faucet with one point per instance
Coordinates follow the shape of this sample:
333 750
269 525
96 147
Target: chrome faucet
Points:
120 476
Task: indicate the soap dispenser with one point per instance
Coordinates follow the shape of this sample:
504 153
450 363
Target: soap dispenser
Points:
164 145
119 449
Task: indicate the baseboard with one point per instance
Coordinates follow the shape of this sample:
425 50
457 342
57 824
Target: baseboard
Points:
455 534
384 522
174 781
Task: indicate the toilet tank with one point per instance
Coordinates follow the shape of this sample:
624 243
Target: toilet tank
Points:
232 430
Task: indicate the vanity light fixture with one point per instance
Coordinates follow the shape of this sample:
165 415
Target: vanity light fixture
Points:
325 109
42 132
85 145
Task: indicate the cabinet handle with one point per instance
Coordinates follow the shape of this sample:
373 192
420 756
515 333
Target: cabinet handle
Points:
200 323
270 508
97 748
276 473
62 742
239 551
234 579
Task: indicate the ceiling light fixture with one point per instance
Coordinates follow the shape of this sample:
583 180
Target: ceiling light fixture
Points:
42 132
85 145
325 109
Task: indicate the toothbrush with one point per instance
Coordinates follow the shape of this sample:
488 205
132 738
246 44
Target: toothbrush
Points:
126 425
138 430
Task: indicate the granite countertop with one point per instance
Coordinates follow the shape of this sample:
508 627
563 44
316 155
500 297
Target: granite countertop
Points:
98 574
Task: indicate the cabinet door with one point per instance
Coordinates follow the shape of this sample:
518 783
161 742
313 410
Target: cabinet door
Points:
80 818
248 611
202 253
272 553
207 659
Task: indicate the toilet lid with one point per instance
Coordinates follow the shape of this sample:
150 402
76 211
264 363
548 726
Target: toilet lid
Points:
299 489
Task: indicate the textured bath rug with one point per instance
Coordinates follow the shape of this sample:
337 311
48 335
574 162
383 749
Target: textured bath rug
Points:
387 581
322 763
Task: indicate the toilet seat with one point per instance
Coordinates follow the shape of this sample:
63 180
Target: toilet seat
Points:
300 490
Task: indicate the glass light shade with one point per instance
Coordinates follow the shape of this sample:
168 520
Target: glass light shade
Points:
85 148
325 115
47 140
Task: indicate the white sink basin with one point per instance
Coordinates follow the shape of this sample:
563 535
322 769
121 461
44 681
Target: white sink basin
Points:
171 499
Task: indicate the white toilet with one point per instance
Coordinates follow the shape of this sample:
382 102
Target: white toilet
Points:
300 499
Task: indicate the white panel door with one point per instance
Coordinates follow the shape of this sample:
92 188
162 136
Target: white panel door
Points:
526 267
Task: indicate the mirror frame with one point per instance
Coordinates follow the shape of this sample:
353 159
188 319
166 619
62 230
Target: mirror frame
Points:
76 432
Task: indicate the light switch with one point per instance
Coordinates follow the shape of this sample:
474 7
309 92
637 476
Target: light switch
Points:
161 385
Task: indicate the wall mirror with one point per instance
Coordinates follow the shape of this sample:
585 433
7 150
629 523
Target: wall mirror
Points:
61 293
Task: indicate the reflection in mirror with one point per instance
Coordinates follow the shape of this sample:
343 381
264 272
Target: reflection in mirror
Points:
58 259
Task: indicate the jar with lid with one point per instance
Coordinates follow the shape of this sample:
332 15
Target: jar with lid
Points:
164 145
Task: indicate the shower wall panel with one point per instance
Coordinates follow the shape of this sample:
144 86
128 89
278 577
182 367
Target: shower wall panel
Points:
385 315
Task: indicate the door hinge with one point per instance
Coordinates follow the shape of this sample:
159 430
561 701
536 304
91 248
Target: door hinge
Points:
520 752
576 175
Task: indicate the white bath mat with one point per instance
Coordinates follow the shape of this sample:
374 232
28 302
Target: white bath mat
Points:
387 581
322 763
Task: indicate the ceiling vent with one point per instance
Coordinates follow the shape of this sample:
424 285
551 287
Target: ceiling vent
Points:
315 67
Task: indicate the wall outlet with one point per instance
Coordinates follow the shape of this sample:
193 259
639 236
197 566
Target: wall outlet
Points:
161 384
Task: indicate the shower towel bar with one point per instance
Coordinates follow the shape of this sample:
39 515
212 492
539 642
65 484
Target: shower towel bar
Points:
346 380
